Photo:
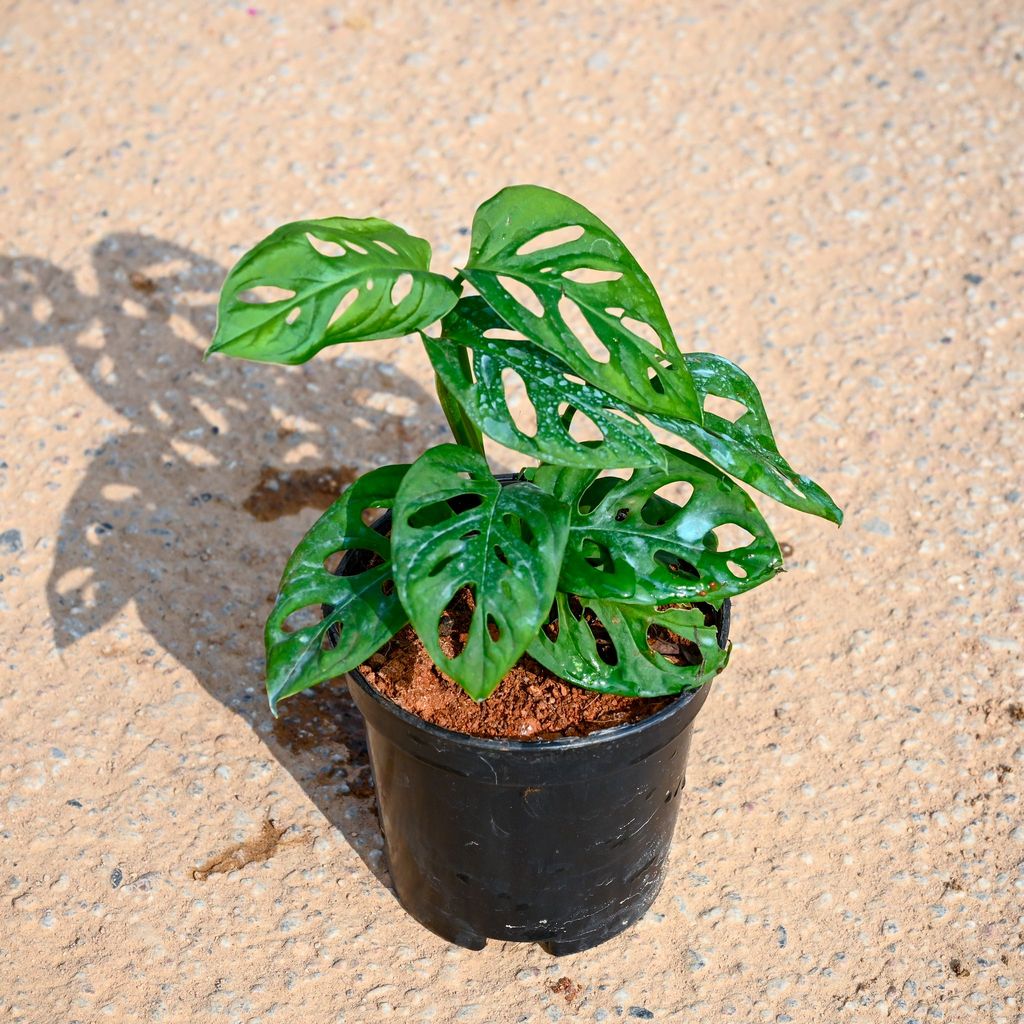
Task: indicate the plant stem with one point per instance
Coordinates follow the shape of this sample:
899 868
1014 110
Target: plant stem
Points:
463 429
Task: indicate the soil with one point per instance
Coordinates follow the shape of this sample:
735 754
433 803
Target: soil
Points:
257 849
283 492
529 703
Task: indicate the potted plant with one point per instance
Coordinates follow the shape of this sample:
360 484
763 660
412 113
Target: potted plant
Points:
578 574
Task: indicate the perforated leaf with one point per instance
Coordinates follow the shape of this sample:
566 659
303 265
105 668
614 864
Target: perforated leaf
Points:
745 447
481 390
455 527
628 543
592 304
365 606
322 282
629 649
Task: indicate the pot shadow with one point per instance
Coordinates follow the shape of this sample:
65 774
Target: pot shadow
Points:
188 508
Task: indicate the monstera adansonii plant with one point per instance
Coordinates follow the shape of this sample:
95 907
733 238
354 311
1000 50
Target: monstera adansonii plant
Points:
575 562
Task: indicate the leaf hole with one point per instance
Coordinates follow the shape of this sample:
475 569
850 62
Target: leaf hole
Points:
523 294
465 502
518 403
492 629
500 555
518 527
605 647
658 509
641 330
727 408
333 560
262 294
355 246
677 565
293 315
672 647
330 249
729 537
592 497
430 515
387 588
614 310
343 306
442 564
575 607
371 514
598 556
302 618
504 334
576 321
590 275
385 246
572 378
401 288
551 239
737 570
455 622
583 429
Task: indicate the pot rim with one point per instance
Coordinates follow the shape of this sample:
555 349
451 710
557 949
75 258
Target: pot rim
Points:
493 744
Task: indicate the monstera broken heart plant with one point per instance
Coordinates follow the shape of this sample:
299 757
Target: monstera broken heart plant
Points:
609 581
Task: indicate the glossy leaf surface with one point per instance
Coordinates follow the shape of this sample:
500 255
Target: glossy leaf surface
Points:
627 656
455 527
322 282
481 390
591 305
745 447
366 608
628 543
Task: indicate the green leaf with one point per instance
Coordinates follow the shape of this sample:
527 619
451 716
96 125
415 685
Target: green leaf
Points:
628 543
592 305
456 526
745 448
548 381
331 281
620 657
365 606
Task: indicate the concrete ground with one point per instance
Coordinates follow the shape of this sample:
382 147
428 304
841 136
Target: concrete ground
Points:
830 193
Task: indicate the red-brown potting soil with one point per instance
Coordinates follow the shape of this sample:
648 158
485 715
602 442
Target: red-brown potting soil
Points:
529 703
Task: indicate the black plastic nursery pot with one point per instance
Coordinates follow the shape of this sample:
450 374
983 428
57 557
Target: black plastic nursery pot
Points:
562 842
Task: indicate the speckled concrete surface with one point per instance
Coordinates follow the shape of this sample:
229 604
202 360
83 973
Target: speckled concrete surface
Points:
829 193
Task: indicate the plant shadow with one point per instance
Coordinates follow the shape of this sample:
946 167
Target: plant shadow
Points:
189 507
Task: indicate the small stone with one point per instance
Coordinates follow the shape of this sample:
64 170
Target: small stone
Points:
879 526
973 278
141 283
11 542
641 1013
694 961
781 937
116 877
